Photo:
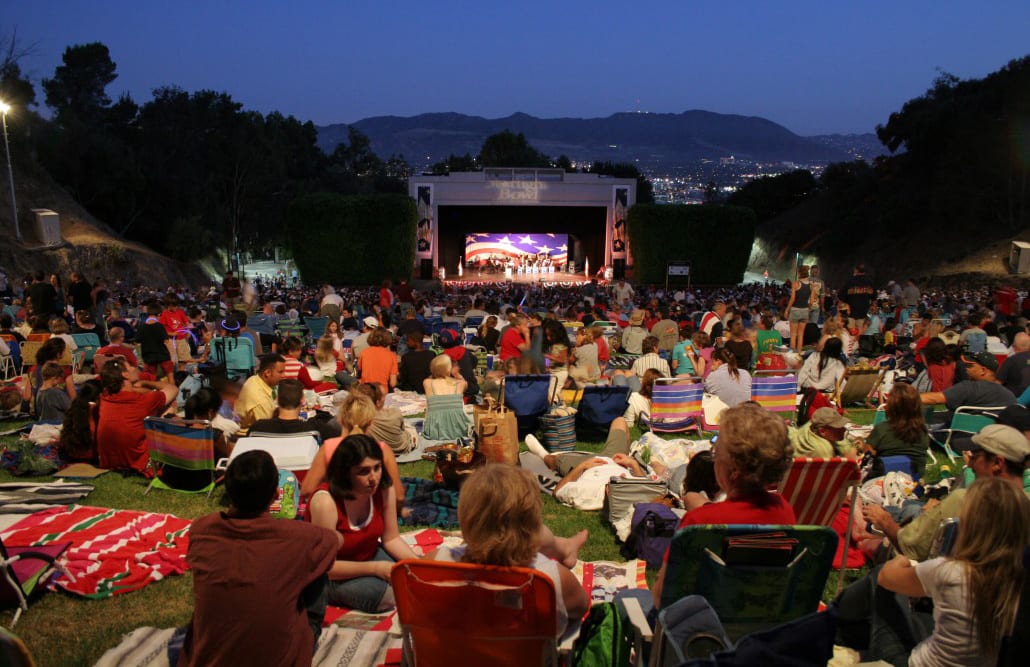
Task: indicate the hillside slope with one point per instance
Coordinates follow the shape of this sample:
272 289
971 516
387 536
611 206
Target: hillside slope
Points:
90 247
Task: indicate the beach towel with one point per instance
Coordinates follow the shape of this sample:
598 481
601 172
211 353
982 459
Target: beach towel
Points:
20 498
112 551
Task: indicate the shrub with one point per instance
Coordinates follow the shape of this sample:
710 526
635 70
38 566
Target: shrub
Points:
716 240
352 239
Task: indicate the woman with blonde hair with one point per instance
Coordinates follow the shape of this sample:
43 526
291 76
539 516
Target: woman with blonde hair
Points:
356 414
976 589
326 357
445 406
501 519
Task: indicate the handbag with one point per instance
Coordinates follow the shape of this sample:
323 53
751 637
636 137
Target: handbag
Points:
452 468
558 430
712 406
528 396
599 407
497 433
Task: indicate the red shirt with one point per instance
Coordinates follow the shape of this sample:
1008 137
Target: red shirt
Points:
175 321
510 341
385 298
772 511
121 441
603 353
360 543
124 350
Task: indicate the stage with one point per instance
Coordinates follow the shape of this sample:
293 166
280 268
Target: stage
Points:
473 277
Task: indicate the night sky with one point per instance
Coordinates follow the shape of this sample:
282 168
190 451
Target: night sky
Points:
815 67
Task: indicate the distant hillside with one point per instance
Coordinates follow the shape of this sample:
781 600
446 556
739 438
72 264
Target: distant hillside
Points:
865 146
652 138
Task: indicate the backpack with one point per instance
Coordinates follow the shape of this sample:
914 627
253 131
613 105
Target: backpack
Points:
602 639
653 527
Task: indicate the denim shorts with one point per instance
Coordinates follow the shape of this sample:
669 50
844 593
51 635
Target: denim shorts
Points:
798 315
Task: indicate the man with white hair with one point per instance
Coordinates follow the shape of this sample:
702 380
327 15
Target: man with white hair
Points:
1014 373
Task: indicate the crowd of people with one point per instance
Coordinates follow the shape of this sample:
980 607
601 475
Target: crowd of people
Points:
966 346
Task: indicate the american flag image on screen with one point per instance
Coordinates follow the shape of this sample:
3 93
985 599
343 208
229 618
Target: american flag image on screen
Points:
500 246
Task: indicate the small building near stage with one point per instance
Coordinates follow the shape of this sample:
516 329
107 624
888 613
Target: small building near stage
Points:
590 208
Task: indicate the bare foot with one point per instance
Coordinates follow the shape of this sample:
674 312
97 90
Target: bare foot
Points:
571 547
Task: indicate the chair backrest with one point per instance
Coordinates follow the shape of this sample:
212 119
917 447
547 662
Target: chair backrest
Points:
775 393
29 349
749 597
816 488
89 343
466 614
880 416
971 419
676 404
236 353
473 321
15 349
38 337
528 396
179 443
316 326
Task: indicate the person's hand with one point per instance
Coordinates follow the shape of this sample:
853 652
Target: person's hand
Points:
382 569
875 514
593 463
623 459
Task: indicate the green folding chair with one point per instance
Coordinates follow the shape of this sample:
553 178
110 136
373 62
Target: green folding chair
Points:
187 444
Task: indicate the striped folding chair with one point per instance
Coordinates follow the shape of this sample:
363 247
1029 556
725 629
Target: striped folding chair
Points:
775 393
676 404
817 488
188 444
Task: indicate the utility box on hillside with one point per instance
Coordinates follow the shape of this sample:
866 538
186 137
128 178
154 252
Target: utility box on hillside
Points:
48 226
1019 258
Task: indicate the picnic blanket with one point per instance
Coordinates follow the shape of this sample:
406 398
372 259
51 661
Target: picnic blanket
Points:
112 551
20 498
430 504
410 403
545 477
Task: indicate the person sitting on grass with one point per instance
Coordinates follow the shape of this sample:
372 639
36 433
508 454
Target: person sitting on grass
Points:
289 397
125 403
414 366
500 513
78 432
56 393
445 413
294 368
258 582
638 407
584 476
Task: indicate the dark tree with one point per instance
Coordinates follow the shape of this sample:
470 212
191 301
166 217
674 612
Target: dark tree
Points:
507 149
645 191
77 91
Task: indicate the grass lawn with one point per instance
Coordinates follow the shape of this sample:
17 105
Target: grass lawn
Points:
63 630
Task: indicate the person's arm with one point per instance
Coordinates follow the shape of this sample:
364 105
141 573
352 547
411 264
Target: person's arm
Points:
315 476
169 390
790 301
882 521
656 590
932 398
324 515
69 386
577 472
393 472
575 598
630 463
393 543
899 576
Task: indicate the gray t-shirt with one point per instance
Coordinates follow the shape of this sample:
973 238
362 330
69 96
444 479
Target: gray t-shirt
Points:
979 394
732 391
51 404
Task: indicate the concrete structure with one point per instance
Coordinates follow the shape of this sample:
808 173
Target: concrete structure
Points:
589 207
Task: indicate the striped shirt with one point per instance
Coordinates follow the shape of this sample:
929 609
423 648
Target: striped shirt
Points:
651 360
292 368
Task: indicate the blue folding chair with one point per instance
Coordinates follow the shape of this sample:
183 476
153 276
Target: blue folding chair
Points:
316 326
529 397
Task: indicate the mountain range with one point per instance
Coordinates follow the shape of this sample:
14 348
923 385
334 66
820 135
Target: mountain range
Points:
650 139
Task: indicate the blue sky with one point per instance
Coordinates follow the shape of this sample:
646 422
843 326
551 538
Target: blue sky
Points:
815 67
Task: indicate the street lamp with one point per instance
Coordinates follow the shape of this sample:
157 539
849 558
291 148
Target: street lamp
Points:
4 108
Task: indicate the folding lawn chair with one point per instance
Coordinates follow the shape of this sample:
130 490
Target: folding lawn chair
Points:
316 326
89 343
599 406
25 571
776 392
29 349
857 386
816 489
237 354
473 322
466 614
676 404
967 420
747 597
529 397
178 443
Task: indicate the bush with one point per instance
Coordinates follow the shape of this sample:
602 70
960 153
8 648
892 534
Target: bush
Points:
716 240
352 239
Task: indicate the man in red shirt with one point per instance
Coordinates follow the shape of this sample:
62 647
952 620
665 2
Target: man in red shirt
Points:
515 339
174 319
125 403
118 347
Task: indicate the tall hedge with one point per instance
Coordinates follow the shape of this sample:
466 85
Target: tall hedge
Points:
716 240
352 239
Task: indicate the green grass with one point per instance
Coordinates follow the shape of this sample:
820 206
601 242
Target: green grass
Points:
64 630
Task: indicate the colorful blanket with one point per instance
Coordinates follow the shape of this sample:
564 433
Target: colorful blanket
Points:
430 504
112 552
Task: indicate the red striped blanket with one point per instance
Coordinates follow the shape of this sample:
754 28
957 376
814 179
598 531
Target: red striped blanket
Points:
112 552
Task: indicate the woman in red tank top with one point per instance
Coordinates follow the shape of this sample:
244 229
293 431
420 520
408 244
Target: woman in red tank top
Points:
359 502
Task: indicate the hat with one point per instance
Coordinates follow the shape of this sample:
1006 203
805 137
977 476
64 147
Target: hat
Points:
370 322
449 338
1003 441
985 359
828 417
1015 416
950 337
636 318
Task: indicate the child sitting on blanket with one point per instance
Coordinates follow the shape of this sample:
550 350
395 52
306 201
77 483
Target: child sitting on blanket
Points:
258 582
500 516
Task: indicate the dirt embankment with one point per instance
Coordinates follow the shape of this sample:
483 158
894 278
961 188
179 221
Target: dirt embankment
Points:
89 246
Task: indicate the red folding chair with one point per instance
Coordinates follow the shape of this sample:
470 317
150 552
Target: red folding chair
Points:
817 489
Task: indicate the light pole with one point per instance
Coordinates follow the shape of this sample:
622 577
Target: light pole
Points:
4 108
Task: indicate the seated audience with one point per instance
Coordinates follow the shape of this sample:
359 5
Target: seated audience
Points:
638 407
55 395
463 360
388 427
445 413
586 366
126 401
77 442
255 399
822 436
732 385
982 389
414 365
823 370
117 347
290 398
245 562
359 502
294 368
378 363
903 434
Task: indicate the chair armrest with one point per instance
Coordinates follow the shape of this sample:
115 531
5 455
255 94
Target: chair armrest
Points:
641 628
222 465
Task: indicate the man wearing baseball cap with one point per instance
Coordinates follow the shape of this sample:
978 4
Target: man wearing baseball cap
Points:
822 436
982 389
361 342
996 451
